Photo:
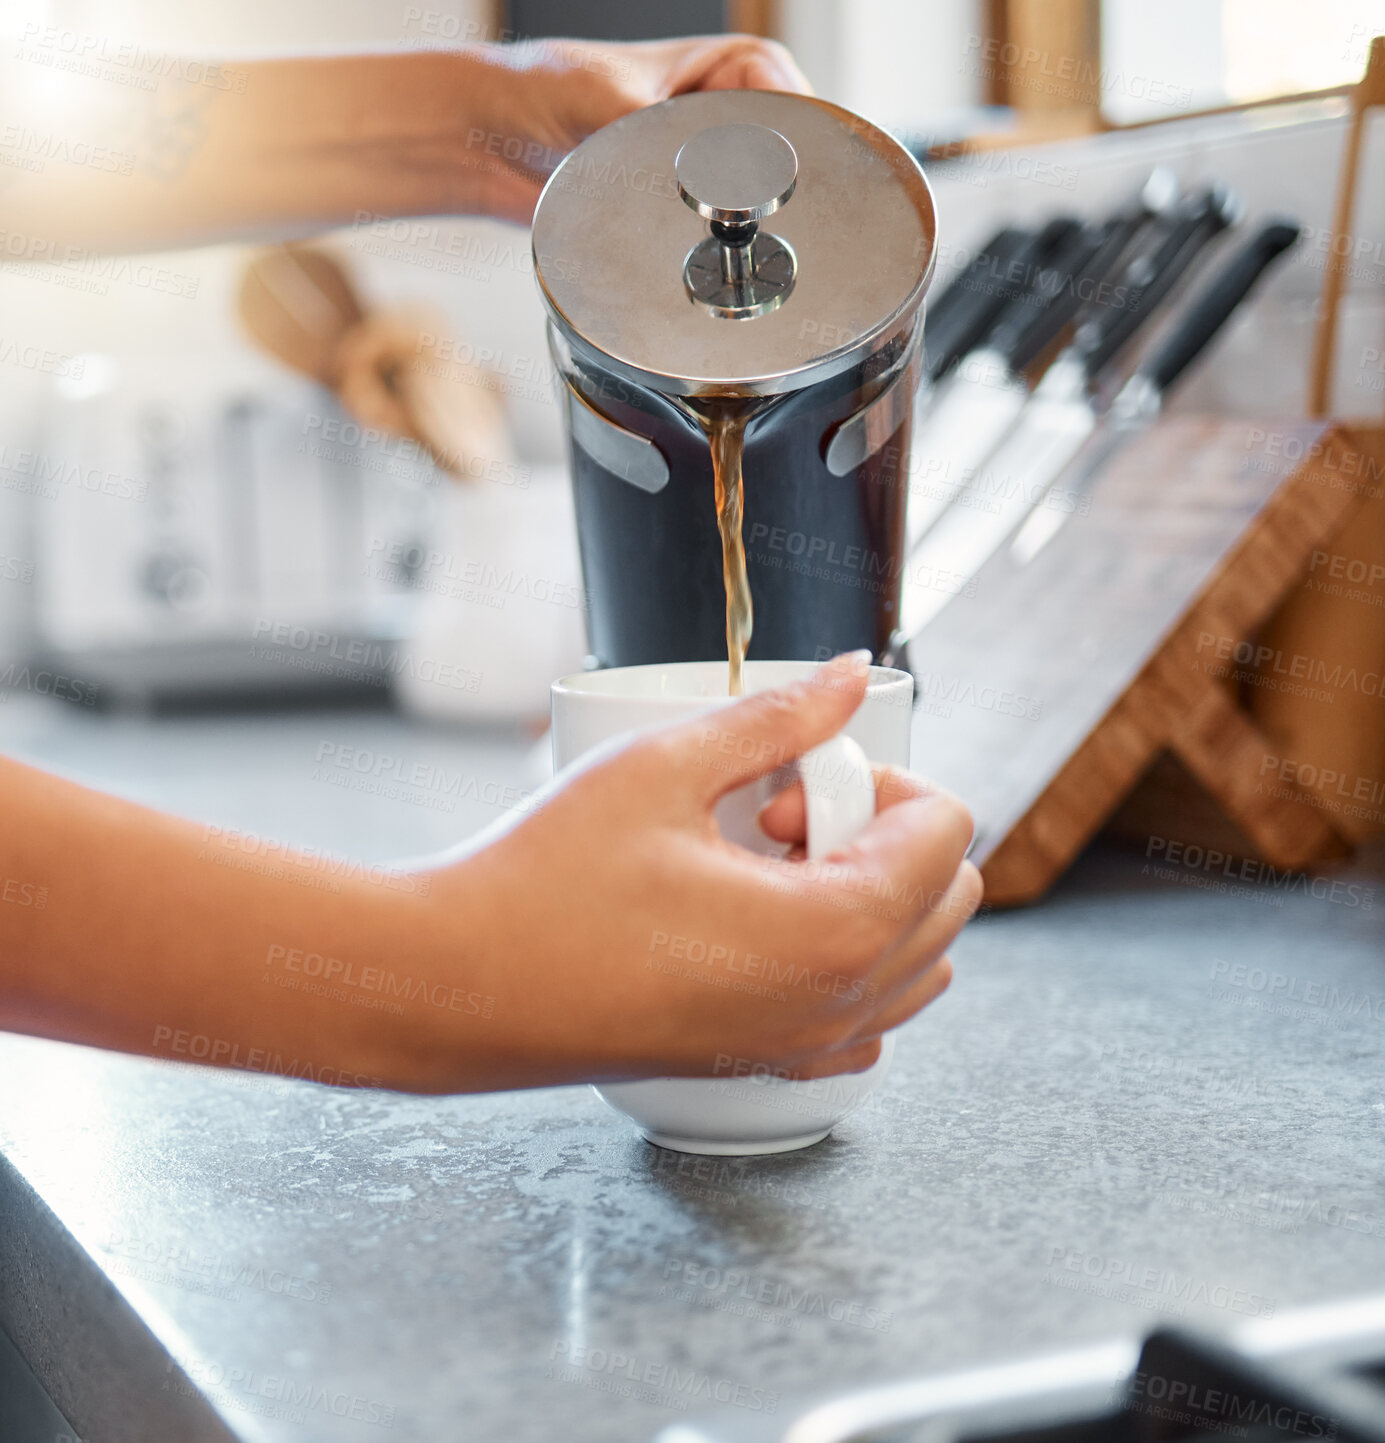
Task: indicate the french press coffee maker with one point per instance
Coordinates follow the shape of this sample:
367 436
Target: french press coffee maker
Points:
738 244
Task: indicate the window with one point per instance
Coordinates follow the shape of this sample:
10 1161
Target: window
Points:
1191 54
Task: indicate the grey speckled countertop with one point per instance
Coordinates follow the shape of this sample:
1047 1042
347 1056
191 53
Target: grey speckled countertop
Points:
1146 1099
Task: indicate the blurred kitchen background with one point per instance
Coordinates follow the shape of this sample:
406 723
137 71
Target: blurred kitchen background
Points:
183 516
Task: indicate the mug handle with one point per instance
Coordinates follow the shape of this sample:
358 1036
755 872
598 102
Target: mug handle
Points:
840 793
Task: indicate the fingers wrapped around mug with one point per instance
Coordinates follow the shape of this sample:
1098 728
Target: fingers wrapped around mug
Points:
885 908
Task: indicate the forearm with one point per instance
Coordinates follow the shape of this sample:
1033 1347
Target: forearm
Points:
579 944
272 148
269 149
124 928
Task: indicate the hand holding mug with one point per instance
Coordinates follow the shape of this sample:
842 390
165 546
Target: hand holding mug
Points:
572 919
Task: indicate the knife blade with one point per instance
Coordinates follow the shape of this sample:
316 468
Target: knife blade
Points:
976 402
981 398
1052 428
1140 400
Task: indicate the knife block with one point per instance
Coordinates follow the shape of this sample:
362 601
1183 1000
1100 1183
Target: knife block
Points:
1328 739
1339 608
1128 648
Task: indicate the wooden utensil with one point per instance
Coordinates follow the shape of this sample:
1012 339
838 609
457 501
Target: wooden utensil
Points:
393 370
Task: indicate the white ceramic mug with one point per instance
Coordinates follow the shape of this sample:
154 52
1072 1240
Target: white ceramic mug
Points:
756 1113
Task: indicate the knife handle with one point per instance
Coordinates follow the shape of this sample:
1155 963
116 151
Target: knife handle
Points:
951 319
1028 324
1001 243
991 282
1103 246
1208 311
1151 277
1112 240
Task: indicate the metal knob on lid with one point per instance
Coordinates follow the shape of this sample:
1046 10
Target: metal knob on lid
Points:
734 176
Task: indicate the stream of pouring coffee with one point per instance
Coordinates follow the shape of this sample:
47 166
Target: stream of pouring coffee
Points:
724 420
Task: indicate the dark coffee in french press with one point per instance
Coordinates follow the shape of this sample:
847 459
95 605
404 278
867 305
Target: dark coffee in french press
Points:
735 282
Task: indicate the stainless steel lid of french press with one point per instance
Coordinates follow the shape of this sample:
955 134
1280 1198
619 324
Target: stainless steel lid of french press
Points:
734 241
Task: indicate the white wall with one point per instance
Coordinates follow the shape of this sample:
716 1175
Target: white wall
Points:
902 63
